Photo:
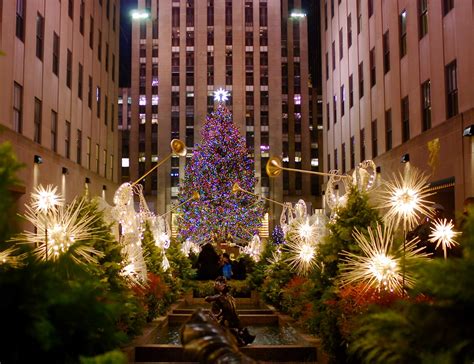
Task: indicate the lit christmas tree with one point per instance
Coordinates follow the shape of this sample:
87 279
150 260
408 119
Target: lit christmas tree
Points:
217 163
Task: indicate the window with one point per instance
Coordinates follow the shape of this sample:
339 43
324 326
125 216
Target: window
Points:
423 15
362 144
373 74
97 94
343 157
352 151
349 31
106 110
113 67
248 14
388 130
114 17
79 81
327 66
386 52
107 9
451 89
104 159
426 105
370 5
112 123
97 158
54 131
37 121
55 54
359 17
373 129
448 5
341 48
99 47
343 99
403 33
325 15
263 14
39 36
351 91
332 11
405 120
189 13
228 13
328 116
174 18
334 109
88 153
210 12
106 57
79 147
333 56
67 140
361 79
336 164
91 33
81 18
69 69
70 8
89 93
20 19
17 107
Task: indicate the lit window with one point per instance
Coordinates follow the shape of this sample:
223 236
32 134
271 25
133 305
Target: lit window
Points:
125 162
142 100
314 162
297 99
154 100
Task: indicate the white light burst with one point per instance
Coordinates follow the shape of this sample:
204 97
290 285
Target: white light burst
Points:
221 95
46 199
405 197
442 233
380 264
7 257
62 230
302 255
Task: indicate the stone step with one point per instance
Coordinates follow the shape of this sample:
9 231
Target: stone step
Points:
272 319
265 353
257 311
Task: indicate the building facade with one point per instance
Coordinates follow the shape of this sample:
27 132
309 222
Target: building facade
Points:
185 51
397 81
59 76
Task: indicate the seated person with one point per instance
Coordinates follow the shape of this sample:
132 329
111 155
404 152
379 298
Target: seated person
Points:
223 310
226 266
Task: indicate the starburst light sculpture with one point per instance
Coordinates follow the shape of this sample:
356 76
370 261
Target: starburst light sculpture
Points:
442 233
380 264
302 255
8 257
62 230
405 197
221 95
46 199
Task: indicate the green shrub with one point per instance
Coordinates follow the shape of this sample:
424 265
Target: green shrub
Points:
112 357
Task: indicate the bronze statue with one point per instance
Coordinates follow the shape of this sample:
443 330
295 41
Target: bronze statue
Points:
224 311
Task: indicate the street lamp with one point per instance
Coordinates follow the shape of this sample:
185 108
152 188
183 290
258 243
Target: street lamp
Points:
139 14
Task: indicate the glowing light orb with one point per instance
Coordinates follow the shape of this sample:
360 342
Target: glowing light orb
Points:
379 265
442 233
46 199
221 95
405 197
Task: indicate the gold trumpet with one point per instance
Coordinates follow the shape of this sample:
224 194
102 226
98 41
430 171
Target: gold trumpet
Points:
194 196
274 168
177 148
236 188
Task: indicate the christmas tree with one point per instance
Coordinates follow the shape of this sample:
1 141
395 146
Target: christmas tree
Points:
217 163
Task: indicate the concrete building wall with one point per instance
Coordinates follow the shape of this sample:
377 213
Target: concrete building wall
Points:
85 141
200 51
429 53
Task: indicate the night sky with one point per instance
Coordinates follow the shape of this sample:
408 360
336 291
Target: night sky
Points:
311 7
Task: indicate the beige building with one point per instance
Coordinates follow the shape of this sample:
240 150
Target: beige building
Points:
397 80
185 51
59 86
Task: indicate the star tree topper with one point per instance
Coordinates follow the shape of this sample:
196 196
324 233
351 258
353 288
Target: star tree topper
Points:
221 95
